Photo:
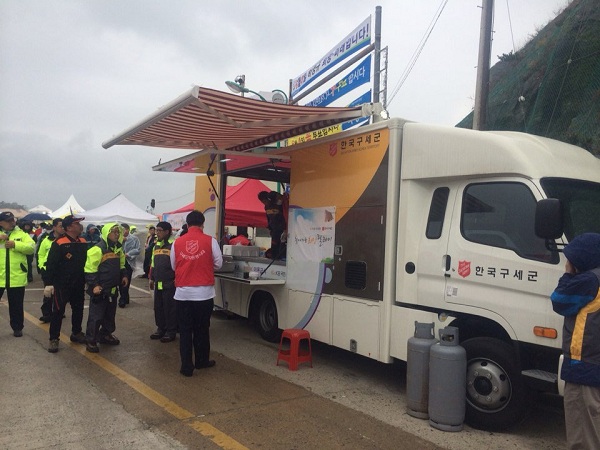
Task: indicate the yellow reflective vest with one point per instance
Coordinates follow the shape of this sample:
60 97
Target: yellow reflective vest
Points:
13 261
44 250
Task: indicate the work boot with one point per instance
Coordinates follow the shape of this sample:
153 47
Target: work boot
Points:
206 365
186 373
92 347
109 339
167 338
78 338
157 335
53 347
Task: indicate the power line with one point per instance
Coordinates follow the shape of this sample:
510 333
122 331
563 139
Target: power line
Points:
567 67
418 51
520 80
511 29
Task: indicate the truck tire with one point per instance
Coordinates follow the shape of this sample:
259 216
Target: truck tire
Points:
496 396
266 320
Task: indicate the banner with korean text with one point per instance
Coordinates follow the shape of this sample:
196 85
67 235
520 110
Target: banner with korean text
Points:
357 77
333 129
365 98
359 38
312 234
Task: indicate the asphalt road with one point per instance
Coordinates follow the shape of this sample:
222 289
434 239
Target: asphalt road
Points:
132 395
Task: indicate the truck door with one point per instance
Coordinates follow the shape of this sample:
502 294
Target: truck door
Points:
494 261
431 261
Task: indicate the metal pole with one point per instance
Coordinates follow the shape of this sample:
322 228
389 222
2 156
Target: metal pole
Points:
377 55
483 66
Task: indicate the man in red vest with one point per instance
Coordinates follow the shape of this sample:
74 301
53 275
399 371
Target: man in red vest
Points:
194 257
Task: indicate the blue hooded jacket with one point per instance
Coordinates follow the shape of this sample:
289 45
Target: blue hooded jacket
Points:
577 297
574 291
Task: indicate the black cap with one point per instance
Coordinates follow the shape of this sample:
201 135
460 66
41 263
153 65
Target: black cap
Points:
6 216
164 225
70 220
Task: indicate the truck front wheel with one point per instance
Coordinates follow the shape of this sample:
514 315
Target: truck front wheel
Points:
496 396
266 320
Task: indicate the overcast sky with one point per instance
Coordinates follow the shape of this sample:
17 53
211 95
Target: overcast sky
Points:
75 73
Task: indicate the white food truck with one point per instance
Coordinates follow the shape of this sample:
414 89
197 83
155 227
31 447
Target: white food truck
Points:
398 222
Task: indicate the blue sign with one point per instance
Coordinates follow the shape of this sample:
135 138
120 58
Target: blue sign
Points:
359 76
365 98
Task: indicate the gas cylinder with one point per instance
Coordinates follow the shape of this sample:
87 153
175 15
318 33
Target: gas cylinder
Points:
447 382
417 370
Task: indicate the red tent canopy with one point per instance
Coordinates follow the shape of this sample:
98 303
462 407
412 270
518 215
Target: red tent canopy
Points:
242 206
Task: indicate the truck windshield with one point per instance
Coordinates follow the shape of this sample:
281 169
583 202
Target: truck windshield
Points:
580 203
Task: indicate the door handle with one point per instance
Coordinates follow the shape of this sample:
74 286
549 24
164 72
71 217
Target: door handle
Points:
447 265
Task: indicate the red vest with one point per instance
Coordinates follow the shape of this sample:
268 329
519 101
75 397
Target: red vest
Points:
194 259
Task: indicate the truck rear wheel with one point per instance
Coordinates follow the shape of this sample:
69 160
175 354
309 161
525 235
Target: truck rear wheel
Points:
496 396
266 320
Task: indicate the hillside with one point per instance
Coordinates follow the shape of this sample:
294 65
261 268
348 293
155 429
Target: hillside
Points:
551 87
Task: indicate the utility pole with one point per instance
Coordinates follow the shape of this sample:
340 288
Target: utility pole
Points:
483 66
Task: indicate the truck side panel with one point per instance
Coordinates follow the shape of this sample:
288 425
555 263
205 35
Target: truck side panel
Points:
345 179
348 176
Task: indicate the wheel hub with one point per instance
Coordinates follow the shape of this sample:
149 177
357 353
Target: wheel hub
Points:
488 385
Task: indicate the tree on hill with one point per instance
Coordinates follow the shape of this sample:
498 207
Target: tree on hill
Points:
11 205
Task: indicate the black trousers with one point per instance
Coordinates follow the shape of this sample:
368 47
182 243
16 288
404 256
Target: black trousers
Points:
124 290
75 295
194 336
46 302
165 310
15 306
147 261
101 317
30 268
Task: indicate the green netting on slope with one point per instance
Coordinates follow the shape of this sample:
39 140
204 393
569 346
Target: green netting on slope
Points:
551 87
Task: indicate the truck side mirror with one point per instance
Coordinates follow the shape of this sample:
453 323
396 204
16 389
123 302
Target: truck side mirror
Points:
548 219
549 222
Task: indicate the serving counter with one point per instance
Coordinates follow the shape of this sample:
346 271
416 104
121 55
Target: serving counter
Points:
241 279
238 269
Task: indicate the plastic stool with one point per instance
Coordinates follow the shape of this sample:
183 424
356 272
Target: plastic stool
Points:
294 356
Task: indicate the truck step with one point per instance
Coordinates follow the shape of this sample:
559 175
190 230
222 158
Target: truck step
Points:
541 375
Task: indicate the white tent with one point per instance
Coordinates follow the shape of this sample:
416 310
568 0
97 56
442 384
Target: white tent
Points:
120 210
70 207
41 209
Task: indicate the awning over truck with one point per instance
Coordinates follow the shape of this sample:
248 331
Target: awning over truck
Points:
206 119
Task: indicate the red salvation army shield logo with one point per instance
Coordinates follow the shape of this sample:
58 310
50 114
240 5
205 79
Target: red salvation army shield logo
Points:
464 268
191 247
333 149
